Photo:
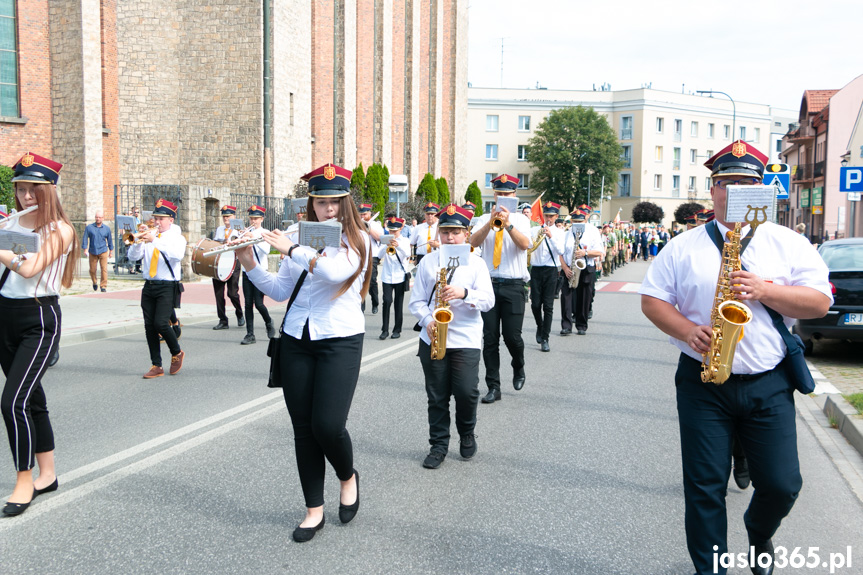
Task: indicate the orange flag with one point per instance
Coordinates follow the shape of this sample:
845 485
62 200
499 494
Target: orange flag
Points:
536 211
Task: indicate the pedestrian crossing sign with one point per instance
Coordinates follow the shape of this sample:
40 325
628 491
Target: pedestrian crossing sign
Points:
778 176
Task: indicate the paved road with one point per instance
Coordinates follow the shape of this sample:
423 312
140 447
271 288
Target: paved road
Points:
577 473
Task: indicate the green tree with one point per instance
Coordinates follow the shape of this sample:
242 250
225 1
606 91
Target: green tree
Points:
427 189
377 189
7 195
684 210
442 191
358 178
568 144
473 194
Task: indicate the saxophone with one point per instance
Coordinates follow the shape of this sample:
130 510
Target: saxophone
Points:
536 243
576 264
727 317
442 315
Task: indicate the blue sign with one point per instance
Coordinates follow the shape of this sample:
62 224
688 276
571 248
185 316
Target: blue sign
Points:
851 179
778 176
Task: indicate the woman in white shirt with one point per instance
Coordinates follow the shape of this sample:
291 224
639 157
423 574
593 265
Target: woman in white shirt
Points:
322 341
30 331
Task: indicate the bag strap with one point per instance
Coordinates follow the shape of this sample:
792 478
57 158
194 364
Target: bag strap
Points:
167 263
296 291
6 275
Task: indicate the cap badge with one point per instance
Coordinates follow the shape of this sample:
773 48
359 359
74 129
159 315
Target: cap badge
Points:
738 150
503 179
159 204
27 160
548 204
450 210
329 172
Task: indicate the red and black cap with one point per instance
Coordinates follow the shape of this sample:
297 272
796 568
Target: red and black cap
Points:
257 212
395 223
431 208
551 208
36 169
364 208
691 219
737 159
469 206
505 182
453 216
328 181
578 215
229 210
165 208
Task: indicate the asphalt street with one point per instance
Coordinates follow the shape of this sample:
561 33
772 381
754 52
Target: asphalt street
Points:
579 472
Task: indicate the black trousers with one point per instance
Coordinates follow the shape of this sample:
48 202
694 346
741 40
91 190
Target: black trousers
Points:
393 293
157 302
582 297
233 285
457 375
373 283
319 388
508 313
254 297
566 295
29 335
543 281
759 410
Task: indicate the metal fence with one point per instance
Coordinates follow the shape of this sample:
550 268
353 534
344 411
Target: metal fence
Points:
278 209
144 197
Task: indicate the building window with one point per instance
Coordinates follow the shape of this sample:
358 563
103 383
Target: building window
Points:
523 181
743 133
660 125
627 156
707 183
675 186
676 165
692 184
524 123
710 128
693 154
626 128
488 179
709 153
726 132
491 151
693 129
658 157
678 130
625 190
8 60
491 123
757 135
657 181
778 146
522 153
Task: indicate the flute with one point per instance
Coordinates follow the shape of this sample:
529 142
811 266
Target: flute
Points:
16 215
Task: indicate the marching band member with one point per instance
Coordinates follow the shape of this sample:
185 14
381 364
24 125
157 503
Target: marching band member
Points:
224 233
375 230
254 297
544 272
30 331
471 207
468 292
505 255
161 249
424 236
393 274
756 403
580 297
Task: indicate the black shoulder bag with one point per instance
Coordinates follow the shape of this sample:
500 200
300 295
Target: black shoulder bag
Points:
274 347
794 363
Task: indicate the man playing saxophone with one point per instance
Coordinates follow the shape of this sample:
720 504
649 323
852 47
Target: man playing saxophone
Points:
582 249
778 269
467 292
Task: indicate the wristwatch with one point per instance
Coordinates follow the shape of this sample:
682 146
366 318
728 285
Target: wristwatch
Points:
465 293
509 227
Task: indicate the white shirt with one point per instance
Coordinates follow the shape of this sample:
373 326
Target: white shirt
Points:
465 329
513 261
542 256
375 226
220 235
328 316
261 250
172 244
393 272
421 235
591 240
686 271
45 283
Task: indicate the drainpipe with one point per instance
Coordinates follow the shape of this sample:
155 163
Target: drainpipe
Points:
268 98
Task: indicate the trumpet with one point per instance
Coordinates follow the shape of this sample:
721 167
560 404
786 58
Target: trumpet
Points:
391 250
129 238
496 224
17 215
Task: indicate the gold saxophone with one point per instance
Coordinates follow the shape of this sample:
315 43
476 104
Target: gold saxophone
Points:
442 315
727 317
538 240
577 264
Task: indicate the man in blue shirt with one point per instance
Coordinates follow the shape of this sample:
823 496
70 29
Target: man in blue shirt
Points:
101 247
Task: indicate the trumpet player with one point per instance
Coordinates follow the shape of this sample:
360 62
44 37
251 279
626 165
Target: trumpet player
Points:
468 292
575 300
394 253
224 233
254 297
162 249
424 236
756 402
548 242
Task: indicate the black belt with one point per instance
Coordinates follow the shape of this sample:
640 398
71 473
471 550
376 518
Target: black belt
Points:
160 282
508 281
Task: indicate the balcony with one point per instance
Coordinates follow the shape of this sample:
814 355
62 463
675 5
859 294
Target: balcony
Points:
803 172
804 132
818 171
691 194
626 134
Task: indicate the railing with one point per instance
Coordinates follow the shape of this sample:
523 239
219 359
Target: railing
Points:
804 132
803 172
627 162
626 134
818 171
691 193
624 191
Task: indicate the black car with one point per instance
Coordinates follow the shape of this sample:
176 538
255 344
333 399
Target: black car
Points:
844 259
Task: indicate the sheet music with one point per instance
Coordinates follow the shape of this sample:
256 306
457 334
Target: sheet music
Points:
20 242
508 202
236 224
753 202
126 224
578 229
454 255
318 235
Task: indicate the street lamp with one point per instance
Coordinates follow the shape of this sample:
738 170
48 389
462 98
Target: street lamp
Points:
733 109
590 172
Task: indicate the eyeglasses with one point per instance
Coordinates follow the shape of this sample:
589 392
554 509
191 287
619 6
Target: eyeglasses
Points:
741 182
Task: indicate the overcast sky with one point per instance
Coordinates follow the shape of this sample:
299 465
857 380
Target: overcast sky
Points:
763 51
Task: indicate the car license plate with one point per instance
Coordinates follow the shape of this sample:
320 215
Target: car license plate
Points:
854 319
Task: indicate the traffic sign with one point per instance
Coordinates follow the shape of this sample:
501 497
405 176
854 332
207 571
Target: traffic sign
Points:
778 176
851 179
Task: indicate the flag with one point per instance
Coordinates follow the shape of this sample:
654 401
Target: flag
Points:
617 217
536 211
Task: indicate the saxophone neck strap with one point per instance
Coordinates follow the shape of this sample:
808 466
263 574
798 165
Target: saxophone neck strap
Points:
716 236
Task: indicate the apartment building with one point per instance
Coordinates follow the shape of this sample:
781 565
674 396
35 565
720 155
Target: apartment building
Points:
666 139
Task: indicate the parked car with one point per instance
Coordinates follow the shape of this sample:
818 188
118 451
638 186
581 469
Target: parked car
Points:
844 259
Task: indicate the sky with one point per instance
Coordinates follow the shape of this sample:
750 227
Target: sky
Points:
761 51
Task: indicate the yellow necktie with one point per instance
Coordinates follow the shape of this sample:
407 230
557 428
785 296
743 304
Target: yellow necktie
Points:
498 248
227 233
154 261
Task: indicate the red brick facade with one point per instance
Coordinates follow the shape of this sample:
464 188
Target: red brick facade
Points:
397 163
365 81
322 81
110 105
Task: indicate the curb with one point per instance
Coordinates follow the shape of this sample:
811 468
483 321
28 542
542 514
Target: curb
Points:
131 328
848 421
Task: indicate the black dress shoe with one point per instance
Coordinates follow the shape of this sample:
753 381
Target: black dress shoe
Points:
249 339
581 332
544 346
566 332
467 446
271 330
13 509
54 358
492 396
241 321
303 534
518 379
590 314
433 460
384 335
396 335
221 325
741 472
539 335
763 549
374 309
49 489
348 512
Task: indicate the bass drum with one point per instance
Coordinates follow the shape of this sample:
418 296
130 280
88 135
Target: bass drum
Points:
219 267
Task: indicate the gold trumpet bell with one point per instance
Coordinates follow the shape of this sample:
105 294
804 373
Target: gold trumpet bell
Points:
496 224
